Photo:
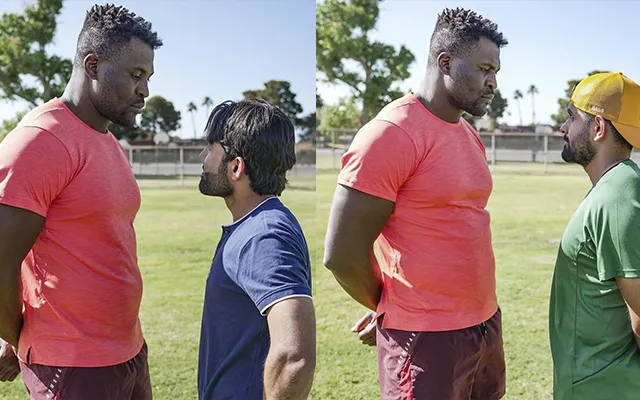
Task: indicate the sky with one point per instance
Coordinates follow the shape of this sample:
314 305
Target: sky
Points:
550 43
211 48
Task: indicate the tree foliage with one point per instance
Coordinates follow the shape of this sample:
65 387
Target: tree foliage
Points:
280 95
562 115
340 117
498 106
160 115
308 128
343 30
128 133
27 71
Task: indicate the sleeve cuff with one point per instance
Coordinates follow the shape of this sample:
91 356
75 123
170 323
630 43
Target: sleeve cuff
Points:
367 189
281 294
631 274
24 204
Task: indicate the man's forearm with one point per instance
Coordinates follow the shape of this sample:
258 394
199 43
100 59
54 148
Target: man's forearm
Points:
10 306
361 280
287 377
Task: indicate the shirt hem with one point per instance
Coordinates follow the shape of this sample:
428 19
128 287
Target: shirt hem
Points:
366 189
280 294
23 204
407 321
79 361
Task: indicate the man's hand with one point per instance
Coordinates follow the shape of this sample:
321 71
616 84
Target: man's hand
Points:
9 366
366 328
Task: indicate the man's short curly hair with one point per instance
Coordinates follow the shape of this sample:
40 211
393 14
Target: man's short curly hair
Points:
458 30
108 28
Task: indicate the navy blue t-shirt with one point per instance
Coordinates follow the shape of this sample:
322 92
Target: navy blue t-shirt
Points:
260 259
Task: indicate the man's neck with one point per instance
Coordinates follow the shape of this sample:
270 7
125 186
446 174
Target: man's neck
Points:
78 101
240 206
600 165
433 99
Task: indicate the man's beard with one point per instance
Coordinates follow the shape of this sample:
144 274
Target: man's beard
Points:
581 152
216 184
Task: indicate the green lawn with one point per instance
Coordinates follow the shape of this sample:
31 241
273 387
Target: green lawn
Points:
178 230
529 212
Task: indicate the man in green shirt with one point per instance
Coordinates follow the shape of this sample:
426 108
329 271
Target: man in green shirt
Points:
595 294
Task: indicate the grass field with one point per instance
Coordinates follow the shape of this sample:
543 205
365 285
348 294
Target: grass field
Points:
178 230
529 212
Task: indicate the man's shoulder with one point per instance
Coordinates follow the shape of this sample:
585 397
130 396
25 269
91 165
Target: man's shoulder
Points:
271 221
50 116
618 190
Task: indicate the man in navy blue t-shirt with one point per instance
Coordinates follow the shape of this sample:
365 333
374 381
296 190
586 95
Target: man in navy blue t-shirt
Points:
258 326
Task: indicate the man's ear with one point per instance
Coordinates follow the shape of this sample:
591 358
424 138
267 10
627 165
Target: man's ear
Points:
91 64
599 127
444 63
238 168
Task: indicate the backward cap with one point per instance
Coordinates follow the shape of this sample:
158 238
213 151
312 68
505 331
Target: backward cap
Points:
616 98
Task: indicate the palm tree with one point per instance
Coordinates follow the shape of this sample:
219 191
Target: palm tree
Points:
533 90
191 108
517 95
207 103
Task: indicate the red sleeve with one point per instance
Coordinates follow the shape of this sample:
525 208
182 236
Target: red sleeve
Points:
34 168
379 161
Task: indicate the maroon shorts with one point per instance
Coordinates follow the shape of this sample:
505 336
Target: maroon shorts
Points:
126 381
465 364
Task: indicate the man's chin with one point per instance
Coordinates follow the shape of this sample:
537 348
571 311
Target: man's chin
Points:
204 188
124 121
478 112
568 155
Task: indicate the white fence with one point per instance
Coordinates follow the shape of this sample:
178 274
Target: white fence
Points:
511 147
157 161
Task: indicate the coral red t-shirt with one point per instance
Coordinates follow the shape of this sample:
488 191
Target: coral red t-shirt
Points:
81 285
435 251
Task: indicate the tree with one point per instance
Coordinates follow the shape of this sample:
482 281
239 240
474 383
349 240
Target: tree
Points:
380 66
128 133
497 108
280 95
533 90
207 103
191 109
8 125
308 128
27 71
159 115
517 95
563 102
344 116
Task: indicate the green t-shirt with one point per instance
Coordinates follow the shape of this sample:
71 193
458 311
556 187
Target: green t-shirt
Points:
595 354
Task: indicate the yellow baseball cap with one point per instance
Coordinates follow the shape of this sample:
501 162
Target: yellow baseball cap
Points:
616 98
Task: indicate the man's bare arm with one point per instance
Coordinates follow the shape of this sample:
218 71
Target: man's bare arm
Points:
291 362
355 221
630 289
19 230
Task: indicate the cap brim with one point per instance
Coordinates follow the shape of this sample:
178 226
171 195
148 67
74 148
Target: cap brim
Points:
630 133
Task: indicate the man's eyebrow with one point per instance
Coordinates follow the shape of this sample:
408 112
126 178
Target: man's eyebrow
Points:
144 71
